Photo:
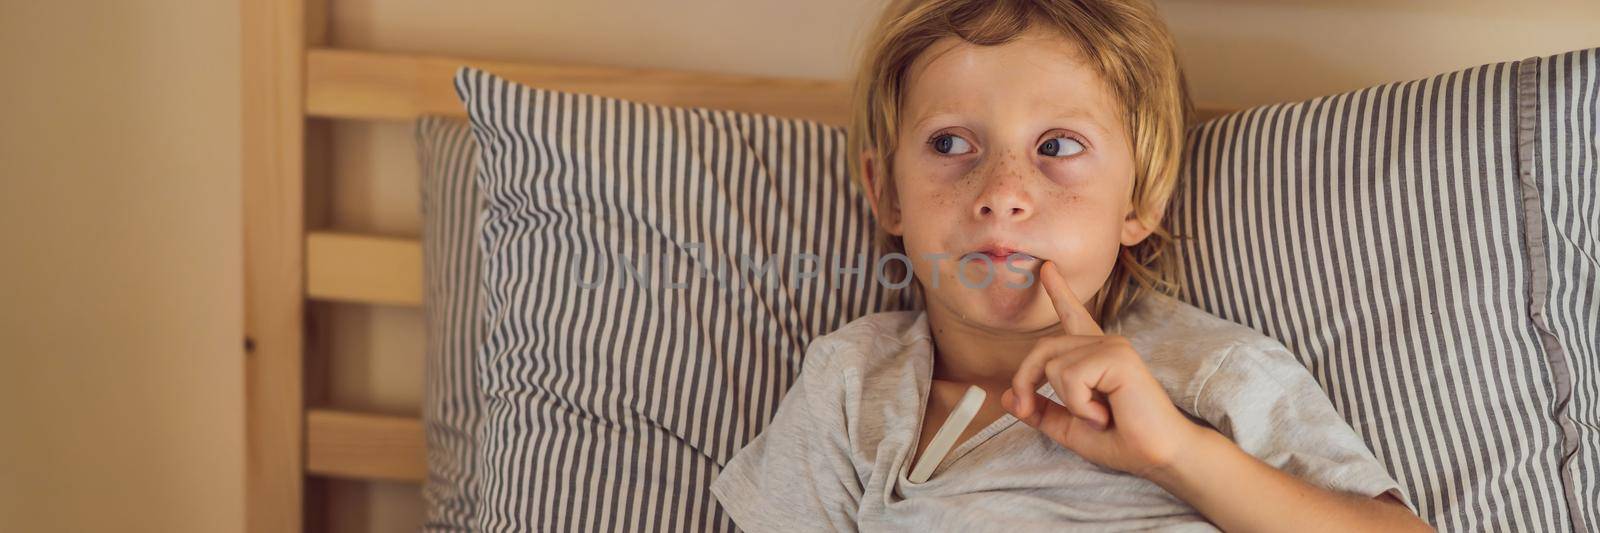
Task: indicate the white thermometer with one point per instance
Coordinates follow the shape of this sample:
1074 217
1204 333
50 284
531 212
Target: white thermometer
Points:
953 426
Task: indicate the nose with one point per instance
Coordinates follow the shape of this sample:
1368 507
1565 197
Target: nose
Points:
1004 197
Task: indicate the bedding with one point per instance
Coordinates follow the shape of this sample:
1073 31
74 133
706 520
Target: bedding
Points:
651 276
1559 174
452 403
1402 242
1426 248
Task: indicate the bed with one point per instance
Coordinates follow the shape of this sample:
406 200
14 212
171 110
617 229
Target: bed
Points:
295 259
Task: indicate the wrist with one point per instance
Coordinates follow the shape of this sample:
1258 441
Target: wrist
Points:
1193 449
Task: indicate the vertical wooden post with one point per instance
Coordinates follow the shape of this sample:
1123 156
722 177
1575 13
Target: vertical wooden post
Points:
318 212
274 43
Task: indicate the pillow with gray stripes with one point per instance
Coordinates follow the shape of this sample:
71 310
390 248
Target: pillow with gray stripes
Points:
452 403
1428 249
650 277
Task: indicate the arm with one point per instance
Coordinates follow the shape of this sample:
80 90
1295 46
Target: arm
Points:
1238 492
797 475
1116 415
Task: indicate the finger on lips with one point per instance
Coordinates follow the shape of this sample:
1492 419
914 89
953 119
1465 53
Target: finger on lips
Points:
1081 330
1075 318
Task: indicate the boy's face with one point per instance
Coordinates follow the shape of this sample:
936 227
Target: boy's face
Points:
1017 152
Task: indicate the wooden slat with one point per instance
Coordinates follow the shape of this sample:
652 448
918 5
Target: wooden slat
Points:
368 85
273 52
349 267
363 446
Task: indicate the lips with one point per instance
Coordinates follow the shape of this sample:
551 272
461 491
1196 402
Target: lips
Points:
1000 253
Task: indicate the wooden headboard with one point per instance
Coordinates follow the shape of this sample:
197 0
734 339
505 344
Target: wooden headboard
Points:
292 86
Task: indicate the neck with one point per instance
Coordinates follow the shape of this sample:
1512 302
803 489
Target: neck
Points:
967 352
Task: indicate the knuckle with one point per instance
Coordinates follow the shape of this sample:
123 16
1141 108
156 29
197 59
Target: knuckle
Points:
1055 366
1121 347
1045 346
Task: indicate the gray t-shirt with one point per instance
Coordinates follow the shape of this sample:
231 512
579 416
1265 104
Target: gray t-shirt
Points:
836 456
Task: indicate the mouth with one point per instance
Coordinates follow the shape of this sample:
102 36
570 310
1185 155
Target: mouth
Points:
1002 253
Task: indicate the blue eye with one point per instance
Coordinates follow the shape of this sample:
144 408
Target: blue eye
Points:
1061 147
950 145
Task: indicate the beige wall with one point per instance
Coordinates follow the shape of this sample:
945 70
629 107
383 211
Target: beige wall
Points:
120 317
1251 52
1236 52
119 183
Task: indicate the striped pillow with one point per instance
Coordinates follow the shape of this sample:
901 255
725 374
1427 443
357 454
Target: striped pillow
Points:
1384 236
453 329
1560 164
630 349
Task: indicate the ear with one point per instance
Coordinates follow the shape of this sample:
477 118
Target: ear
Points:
1134 231
885 201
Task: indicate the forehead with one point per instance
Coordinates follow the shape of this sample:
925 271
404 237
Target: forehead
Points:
1040 69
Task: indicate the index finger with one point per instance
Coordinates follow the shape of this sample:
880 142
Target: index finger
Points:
1075 318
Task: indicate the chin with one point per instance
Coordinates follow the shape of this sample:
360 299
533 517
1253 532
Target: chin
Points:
1004 309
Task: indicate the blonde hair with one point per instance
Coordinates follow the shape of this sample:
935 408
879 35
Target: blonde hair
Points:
1123 40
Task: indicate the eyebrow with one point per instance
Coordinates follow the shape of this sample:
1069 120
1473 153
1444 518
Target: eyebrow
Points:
1070 112
1053 112
931 117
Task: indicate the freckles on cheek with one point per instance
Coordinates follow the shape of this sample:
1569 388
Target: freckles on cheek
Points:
941 197
963 186
1065 197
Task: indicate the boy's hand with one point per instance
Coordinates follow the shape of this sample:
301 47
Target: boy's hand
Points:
1116 415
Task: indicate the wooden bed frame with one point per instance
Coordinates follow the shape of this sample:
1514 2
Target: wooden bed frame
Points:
292 86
